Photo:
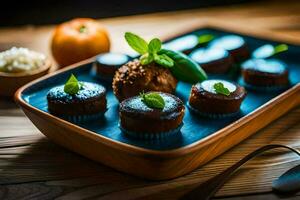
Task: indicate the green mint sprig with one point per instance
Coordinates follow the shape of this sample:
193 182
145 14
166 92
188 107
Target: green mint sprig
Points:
268 51
280 48
205 38
149 51
153 100
72 86
220 89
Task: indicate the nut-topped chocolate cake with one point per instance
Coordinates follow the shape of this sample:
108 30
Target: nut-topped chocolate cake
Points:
156 69
133 78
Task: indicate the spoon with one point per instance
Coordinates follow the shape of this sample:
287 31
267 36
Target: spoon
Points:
207 190
289 182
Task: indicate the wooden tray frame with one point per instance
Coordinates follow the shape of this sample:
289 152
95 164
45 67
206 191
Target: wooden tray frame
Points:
155 164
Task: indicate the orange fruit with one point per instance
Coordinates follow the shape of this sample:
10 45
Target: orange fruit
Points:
77 40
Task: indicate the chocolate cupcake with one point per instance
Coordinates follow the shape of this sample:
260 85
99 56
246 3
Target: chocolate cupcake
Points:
79 103
133 78
184 44
265 74
236 46
216 98
108 63
213 60
140 118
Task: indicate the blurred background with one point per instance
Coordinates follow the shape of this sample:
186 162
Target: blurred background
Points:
31 23
38 12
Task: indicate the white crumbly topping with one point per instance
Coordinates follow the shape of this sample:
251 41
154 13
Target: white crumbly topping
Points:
208 85
17 60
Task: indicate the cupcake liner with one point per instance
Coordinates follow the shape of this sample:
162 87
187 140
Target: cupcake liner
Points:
151 136
263 88
82 118
212 115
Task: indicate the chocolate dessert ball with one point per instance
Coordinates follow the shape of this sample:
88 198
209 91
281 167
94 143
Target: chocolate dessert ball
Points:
213 60
108 63
141 121
133 78
88 103
206 101
265 73
236 46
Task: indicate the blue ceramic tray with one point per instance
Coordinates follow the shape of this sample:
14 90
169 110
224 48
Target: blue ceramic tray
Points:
199 136
195 128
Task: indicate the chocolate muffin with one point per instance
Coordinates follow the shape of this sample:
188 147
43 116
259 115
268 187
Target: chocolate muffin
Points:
140 121
133 78
88 103
108 63
206 101
236 46
265 74
184 44
213 60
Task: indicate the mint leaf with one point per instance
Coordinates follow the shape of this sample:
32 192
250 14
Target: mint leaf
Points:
184 69
280 48
164 60
149 52
154 46
136 43
220 89
72 86
146 59
205 38
153 100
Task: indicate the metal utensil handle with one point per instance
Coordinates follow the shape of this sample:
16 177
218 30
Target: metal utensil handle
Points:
208 189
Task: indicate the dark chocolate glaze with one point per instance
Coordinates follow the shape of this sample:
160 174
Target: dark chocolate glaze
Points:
212 60
88 91
134 107
269 66
90 100
265 72
235 44
135 116
107 63
233 95
212 103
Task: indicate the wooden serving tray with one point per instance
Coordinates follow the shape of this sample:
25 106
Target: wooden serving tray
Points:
200 140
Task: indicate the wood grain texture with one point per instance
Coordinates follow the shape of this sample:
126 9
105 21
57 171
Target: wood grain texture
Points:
9 83
40 166
147 163
26 162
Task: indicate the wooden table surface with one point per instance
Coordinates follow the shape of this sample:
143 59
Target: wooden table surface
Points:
32 167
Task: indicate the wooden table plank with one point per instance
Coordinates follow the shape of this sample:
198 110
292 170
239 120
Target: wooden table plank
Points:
31 166
26 159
